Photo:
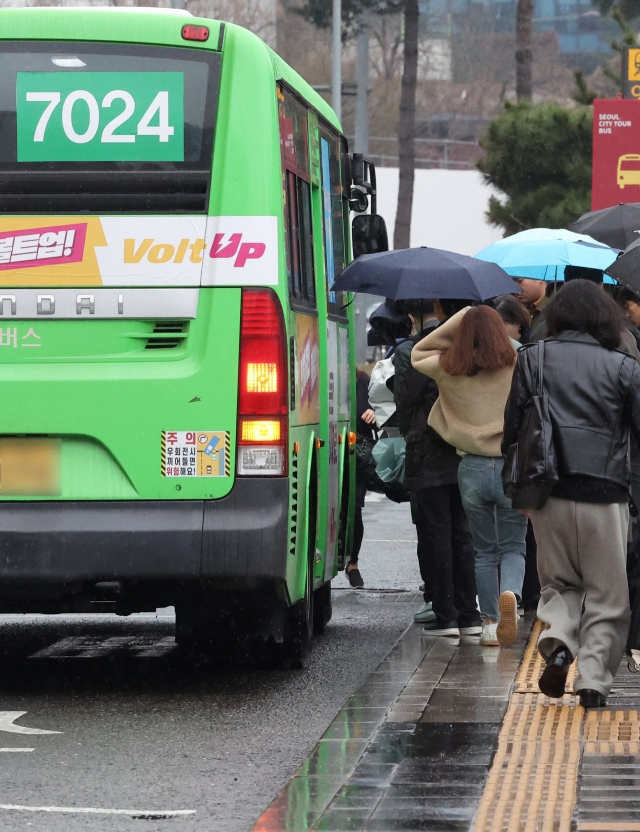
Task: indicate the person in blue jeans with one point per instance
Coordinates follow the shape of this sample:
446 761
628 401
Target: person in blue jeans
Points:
471 358
499 538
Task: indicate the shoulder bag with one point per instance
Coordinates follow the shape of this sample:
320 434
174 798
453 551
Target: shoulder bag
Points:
530 470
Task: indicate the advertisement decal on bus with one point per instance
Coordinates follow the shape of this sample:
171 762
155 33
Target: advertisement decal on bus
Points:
138 251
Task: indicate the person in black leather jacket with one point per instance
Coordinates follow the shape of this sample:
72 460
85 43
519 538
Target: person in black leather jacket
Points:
593 389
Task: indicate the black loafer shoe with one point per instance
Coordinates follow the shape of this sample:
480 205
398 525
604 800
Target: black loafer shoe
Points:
554 676
592 699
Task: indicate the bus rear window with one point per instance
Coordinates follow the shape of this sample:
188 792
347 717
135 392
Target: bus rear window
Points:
90 110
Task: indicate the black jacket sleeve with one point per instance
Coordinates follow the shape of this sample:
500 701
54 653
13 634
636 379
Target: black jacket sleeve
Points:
518 397
633 400
410 390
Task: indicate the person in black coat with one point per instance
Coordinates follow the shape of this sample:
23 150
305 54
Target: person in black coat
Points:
445 550
593 390
366 420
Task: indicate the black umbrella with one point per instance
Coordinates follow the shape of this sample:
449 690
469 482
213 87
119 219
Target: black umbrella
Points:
618 226
425 273
626 269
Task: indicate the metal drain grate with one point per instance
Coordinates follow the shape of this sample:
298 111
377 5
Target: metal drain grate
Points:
608 794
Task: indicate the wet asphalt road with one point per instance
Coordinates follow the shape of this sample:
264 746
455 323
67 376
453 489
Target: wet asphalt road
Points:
140 729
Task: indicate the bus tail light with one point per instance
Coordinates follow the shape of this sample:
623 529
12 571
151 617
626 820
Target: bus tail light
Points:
262 387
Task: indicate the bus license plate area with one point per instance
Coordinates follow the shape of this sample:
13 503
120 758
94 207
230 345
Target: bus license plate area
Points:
29 467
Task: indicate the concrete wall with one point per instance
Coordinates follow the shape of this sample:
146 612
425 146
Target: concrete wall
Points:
449 209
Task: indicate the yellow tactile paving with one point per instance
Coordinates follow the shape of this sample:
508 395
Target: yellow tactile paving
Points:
532 784
614 726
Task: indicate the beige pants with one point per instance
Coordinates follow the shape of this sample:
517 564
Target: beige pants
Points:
585 597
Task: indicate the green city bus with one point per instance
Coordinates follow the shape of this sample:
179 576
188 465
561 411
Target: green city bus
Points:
174 208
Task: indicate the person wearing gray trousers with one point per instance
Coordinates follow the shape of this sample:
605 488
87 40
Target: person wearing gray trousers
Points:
582 560
593 389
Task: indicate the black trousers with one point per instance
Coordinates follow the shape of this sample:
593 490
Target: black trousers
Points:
446 554
422 548
531 583
358 534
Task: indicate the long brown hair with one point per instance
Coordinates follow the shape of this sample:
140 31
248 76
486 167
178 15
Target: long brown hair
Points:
481 343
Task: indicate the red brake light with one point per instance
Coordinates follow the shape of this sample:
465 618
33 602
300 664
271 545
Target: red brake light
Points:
263 368
200 33
262 386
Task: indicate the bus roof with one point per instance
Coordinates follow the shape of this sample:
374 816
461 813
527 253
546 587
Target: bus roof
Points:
139 25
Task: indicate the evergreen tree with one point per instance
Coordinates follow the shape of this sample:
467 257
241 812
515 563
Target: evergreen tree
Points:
539 157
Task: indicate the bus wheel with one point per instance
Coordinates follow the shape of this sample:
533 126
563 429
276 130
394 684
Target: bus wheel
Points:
322 608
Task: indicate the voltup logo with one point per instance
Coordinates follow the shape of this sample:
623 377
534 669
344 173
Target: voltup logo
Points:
234 247
242 251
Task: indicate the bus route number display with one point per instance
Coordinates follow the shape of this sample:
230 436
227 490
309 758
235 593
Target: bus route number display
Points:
100 116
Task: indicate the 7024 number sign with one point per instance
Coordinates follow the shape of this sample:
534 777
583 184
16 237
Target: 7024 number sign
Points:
100 116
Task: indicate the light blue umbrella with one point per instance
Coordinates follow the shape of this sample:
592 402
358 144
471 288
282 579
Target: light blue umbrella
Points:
543 253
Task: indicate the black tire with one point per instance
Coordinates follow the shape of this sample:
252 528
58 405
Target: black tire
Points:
322 608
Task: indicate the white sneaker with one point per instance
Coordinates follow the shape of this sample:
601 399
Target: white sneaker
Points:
489 636
424 614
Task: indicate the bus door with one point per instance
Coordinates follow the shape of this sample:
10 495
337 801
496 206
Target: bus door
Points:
337 350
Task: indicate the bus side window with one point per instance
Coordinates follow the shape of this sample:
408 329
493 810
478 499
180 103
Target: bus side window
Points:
297 199
333 220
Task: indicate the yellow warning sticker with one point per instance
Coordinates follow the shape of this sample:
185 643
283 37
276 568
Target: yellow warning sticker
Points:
193 453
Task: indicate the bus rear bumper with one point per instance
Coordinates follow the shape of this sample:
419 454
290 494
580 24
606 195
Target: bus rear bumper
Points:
241 536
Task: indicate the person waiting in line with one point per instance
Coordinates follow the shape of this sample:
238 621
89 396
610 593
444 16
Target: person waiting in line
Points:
431 474
423 320
593 389
630 302
533 296
628 339
515 317
516 320
366 420
471 358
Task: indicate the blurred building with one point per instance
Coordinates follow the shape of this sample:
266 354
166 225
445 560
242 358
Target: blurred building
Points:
584 36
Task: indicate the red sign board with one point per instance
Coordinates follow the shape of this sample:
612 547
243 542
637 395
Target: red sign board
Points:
616 152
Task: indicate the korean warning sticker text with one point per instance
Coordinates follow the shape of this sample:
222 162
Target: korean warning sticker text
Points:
194 453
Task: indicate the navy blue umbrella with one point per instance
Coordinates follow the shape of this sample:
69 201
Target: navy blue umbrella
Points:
425 273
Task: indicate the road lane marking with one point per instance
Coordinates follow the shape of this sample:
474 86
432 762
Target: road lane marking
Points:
15 749
7 718
144 814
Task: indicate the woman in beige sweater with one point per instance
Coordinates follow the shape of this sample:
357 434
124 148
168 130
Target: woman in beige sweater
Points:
472 359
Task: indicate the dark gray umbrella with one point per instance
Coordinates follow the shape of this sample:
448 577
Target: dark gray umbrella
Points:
425 273
618 226
626 269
